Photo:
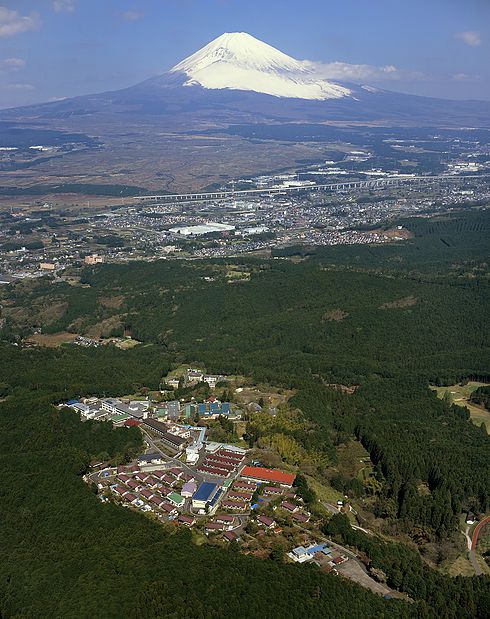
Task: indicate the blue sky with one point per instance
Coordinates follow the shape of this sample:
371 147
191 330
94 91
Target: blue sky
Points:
58 48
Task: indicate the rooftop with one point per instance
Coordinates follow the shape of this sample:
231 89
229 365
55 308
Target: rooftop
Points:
205 491
258 472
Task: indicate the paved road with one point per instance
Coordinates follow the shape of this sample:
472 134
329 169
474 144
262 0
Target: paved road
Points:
199 477
474 542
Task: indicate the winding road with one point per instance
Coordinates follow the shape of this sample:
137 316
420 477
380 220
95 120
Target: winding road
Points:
474 542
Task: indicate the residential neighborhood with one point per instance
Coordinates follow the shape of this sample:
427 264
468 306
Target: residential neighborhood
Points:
218 490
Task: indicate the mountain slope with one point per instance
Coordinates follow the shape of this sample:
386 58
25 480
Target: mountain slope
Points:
238 78
172 131
239 61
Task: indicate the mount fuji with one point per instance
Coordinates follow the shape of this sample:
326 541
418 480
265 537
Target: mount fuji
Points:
237 77
177 129
239 61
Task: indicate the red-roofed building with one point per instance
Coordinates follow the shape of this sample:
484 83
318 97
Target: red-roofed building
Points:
243 484
258 473
213 470
224 519
141 476
231 536
289 506
273 490
268 523
134 485
156 500
231 454
130 498
168 507
301 517
132 422
214 526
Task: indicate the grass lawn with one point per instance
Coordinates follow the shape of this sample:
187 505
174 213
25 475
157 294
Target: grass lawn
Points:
461 566
324 492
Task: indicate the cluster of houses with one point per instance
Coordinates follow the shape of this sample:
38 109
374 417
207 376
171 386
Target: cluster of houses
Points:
222 462
160 490
221 490
243 490
239 496
224 524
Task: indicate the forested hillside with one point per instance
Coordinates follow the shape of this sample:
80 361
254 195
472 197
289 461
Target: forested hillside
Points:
386 321
64 554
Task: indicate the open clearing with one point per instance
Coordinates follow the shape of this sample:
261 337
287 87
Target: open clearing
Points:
460 395
52 340
461 566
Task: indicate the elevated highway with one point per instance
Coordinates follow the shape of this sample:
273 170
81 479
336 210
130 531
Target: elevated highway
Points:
392 181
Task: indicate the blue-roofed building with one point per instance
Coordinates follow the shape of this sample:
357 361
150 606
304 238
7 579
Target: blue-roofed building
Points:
201 409
204 495
314 549
215 499
225 408
302 554
72 402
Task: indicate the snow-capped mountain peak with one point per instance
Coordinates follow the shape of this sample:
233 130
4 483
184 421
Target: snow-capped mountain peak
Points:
239 61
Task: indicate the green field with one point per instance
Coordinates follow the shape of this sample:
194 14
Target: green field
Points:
460 395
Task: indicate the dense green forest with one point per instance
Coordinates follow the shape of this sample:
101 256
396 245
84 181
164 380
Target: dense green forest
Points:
481 396
388 320
412 437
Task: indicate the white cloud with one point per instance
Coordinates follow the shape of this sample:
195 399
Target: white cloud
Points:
12 63
132 15
19 87
361 72
63 6
12 22
469 37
